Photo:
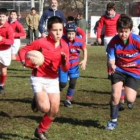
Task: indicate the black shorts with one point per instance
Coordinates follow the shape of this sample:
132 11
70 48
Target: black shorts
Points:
127 80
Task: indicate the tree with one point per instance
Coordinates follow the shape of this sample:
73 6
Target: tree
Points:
32 3
41 2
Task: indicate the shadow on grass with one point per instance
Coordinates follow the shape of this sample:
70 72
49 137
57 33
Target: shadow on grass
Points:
20 76
24 69
25 100
138 96
94 91
94 105
73 121
31 117
9 136
3 114
93 77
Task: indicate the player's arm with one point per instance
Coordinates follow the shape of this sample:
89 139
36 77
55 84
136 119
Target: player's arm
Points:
82 33
111 57
65 59
84 61
21 32
99 30
9 39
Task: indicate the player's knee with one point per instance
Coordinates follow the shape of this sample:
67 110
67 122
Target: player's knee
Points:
72 83
44 109
54 112
62 85
115 100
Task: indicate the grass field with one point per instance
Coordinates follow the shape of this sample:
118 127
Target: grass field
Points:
86 120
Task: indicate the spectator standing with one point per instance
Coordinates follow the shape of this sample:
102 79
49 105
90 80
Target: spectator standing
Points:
81 22
52 11
32 21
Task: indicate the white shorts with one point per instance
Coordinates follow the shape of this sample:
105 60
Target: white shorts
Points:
107 40
48 85
5 57
15 47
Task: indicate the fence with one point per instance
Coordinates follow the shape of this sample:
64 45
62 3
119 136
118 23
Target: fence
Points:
22 7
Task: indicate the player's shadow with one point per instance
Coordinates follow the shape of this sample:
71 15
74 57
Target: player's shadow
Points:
25 100
14 70
92 77
138 96
3 114
9 136
17 76
31 117
72 121
94 105
94 91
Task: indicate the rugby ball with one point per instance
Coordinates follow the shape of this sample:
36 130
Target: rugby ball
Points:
34 59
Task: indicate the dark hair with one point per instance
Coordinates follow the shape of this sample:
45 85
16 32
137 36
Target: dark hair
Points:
13 11
110 5
33 8
53 20
124 22
70 18
4 11
71 27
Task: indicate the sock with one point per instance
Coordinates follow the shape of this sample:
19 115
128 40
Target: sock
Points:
44 124
114 110
70 93
17 58
3 79
122 96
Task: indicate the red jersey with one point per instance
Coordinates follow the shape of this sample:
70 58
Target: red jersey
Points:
110 25
6 32
52 56
18 29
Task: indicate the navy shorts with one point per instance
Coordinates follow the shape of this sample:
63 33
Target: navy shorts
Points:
127 80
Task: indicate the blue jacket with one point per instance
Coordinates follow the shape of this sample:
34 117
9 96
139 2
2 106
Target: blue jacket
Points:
46 15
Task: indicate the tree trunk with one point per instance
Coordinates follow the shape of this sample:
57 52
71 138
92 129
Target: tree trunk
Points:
32 3
41 2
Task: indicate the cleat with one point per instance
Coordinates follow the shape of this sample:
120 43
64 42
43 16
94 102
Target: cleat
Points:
111 125
40 135
2 90
67 103
130 105
33 105
121 106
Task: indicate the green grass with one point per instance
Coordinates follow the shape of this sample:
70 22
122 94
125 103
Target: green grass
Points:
86 120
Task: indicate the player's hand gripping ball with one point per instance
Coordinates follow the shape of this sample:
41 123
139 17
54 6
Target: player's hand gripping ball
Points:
34 59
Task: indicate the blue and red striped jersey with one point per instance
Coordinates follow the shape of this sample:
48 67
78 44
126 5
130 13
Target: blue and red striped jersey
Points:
126 56
74 49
